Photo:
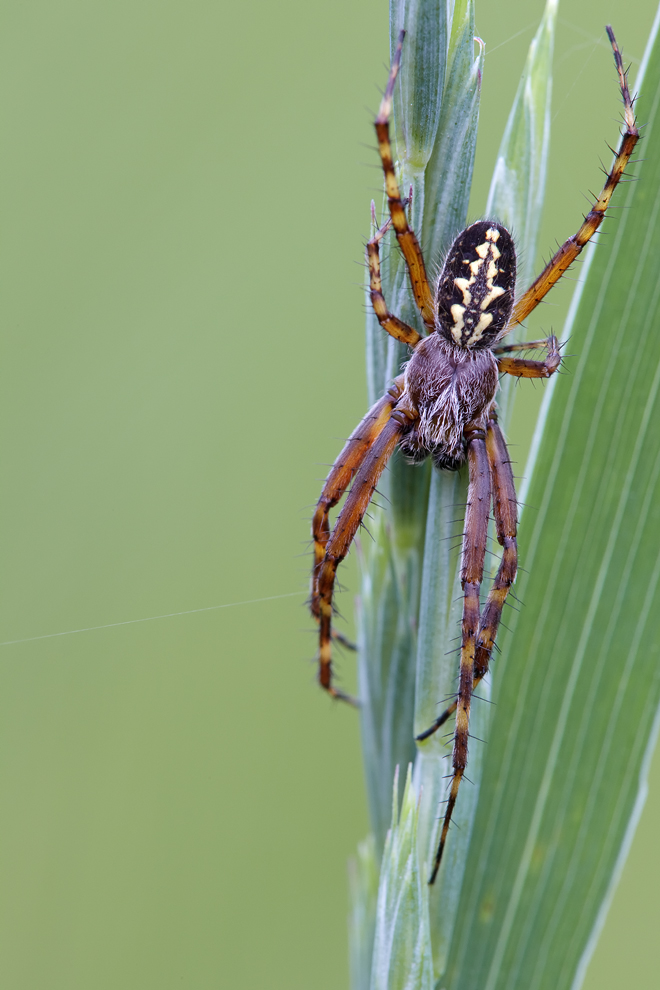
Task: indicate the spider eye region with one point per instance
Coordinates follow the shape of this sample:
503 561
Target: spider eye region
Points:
476 287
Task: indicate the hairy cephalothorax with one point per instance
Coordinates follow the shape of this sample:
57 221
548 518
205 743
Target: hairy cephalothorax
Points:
445 389
443 406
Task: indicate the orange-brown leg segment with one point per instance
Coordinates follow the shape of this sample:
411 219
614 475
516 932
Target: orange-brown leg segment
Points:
569 251
472 569
408 243
350 517
342 473
392 324
505 511
522 368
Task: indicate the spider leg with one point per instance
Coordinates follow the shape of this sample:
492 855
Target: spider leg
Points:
343 471
392 324
505 511
522 368
571 248
408 243
528 345
472 569
346 526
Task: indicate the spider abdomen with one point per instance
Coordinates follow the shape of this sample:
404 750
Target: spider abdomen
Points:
474 295
448 388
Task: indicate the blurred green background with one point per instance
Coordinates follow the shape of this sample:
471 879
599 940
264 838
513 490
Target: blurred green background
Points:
185 189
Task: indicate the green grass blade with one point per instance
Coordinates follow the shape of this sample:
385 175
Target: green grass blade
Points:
449 176
418 95
441 598
389 593
579 680
392 562
402 944
363 881
517 188
449 171
437 613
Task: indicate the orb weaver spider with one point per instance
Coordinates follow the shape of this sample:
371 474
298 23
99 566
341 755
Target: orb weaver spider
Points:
443 406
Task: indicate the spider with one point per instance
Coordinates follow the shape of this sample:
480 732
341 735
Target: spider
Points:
443 406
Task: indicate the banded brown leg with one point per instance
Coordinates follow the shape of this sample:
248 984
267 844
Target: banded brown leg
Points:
571 248
392 324
342 473
505 511
343 533
408 243
523 368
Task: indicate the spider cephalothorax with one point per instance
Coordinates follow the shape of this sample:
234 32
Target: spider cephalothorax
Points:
443 406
